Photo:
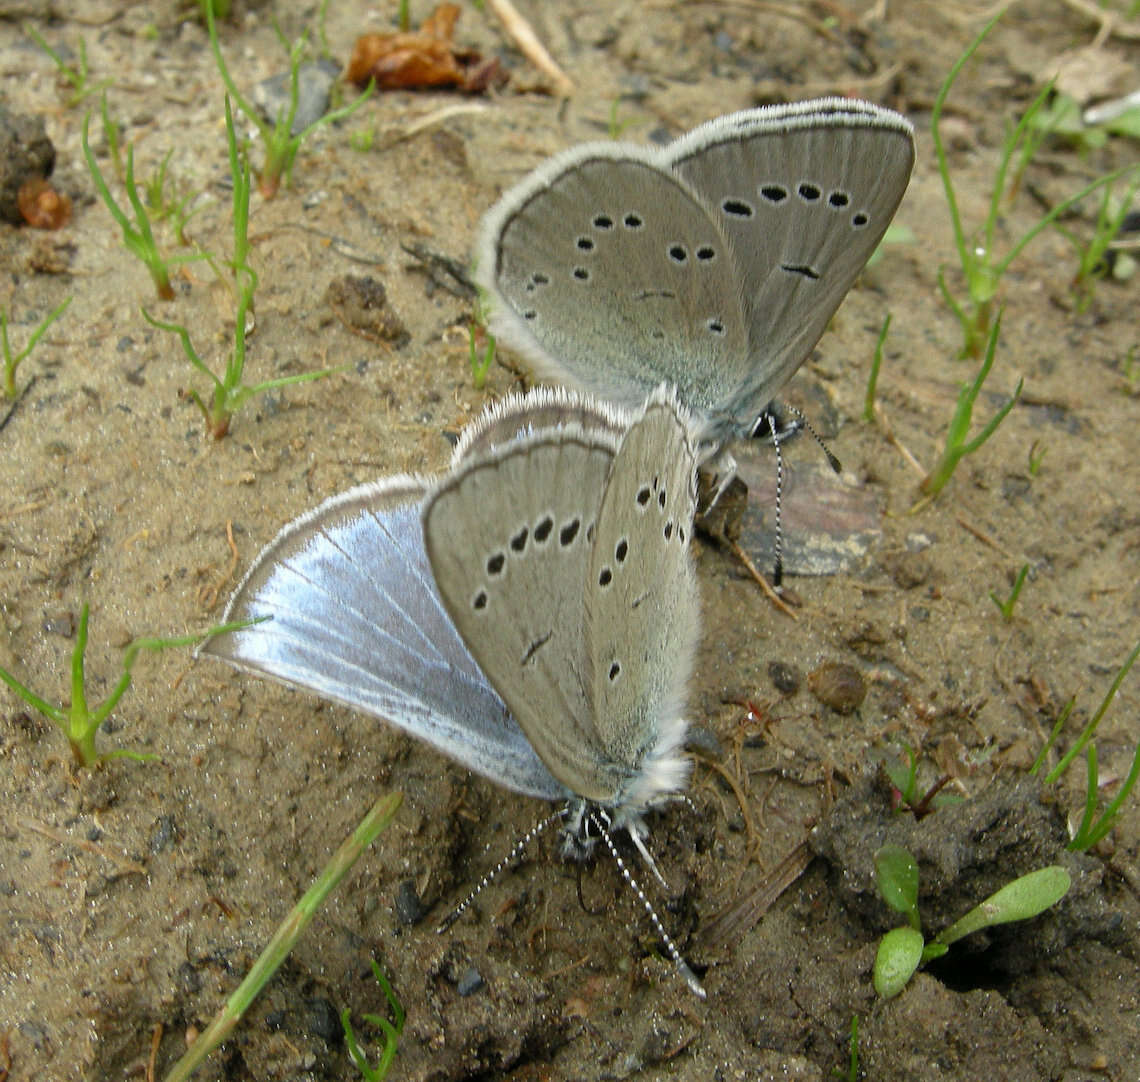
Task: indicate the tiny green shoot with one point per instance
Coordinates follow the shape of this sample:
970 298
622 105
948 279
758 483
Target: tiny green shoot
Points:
1091 262
873 378
850 1073
231 392
1006 607
1037 451
172 206
281 146
285 938
138 238
12 360
616 126
78 722
957 445
113 137
403 16
904 781
75 77
1091 829
1131 371
480 365
902 950
391 1031
362 139
982 269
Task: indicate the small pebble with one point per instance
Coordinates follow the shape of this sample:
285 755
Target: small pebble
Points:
839 686
409 908
786 679
323 1020
314 82
470 982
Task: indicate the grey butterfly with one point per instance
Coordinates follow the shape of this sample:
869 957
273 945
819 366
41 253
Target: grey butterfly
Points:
713 263
533 614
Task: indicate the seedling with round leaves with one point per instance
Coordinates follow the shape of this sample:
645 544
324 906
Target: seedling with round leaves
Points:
902 950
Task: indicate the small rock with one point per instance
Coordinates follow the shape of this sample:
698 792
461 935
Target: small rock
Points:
314 82
26 152
409 908
361 304
470 982
838 685
162 833
323 1020
786 679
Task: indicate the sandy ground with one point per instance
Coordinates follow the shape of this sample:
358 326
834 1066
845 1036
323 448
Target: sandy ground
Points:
133 898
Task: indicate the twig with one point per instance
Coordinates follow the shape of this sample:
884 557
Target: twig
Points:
763 583
120 862
982 536
730 926
1109 23
533 49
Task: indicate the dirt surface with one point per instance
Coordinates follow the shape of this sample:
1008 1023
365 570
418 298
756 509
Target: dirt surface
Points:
133 898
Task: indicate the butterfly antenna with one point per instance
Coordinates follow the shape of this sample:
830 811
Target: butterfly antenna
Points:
778 569
832 461
682 966
510 858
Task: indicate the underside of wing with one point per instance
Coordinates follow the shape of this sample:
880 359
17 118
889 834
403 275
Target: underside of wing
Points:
804 193
606 274
507 535
354 616
642 603
516 416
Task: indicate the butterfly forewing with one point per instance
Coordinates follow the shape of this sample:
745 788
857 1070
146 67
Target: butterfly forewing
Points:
609 275
508 536
805 198
641 593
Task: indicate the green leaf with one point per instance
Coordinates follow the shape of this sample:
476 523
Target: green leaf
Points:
1025 897
897 876
898 956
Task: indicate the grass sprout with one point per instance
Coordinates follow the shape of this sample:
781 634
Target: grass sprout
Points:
480 365
285 938
957 445
1091 828
12 360
230 391
1091 262
873 378
138 238
78 722
1006 607
981 267
902 950
906 796
281 146
391 1031
76 77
